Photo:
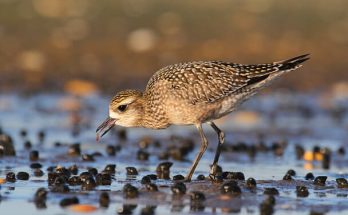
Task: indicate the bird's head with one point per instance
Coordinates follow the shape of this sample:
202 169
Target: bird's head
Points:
125 109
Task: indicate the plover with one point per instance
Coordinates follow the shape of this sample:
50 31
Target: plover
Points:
192 94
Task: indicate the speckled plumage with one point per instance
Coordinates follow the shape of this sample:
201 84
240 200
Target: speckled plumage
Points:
195 93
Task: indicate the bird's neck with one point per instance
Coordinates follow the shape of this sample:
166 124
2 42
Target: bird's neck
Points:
154 116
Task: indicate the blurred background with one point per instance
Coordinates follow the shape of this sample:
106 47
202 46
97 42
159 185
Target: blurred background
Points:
108 45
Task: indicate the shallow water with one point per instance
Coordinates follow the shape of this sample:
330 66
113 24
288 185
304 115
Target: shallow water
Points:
313 119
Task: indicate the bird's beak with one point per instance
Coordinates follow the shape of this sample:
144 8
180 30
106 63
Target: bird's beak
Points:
108 124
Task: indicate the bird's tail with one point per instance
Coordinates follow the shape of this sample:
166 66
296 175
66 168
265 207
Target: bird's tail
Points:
293 63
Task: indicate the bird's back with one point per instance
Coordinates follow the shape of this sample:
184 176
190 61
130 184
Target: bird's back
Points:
206 85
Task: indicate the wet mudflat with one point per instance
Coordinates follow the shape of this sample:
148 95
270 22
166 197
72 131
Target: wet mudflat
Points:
283 153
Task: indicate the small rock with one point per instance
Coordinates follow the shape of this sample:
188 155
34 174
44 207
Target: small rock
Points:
230 188
151 187
11 177
103 179
342 183
271 191
320 180
22 176
251 183
302 191
34 155
179 188
104 200
129 191
131 171
178 177
309 176
69 201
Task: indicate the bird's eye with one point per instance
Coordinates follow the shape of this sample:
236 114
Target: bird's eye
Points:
122 108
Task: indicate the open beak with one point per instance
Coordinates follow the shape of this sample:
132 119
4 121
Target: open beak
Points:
108 124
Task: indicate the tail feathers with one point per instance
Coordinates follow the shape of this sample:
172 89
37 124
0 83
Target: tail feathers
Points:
292 63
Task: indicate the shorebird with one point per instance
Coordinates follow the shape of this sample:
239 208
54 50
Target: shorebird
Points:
192 94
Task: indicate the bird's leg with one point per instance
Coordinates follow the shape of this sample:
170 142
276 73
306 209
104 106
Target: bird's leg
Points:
221 137
204 145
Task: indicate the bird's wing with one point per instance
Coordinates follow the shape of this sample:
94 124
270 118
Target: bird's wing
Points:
212 80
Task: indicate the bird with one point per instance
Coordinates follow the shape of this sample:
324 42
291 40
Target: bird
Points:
193 93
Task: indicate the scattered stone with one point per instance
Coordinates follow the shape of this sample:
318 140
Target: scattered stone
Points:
230 188
11 177
342 183
271 191
320 180
142 155
103 179
34 155
69 201
74 150
200 177
131 171
129 191
179 188
22 176
178 177
302 191
6 145
35 166
251 183
110 168
88 158
309 176
38 172
104 200
233 175
151 187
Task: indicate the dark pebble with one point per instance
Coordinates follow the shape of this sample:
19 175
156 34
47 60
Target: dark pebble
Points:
60 189
41 136
87 157
85 175
103 179
218 170
97 154
164 166
62 171
302 191
74 181
88 184
41 193
233 175
52 177
111 150
342 183
129 191
200 177
34 155
230 188
251 183
27 144
74 149
126 209
6 145
151 187
11 177
163 155
197 196
271 191
93 171
326 158
131 171
287 177
59 181
22 176
73 169
291 172
299 150
266 209
178 188
148 210
51 168
122 134
110 168
341 151
178 177
35 166
23 133
142 155
146 180
104 200
320 180
69 201
309 176
38 172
